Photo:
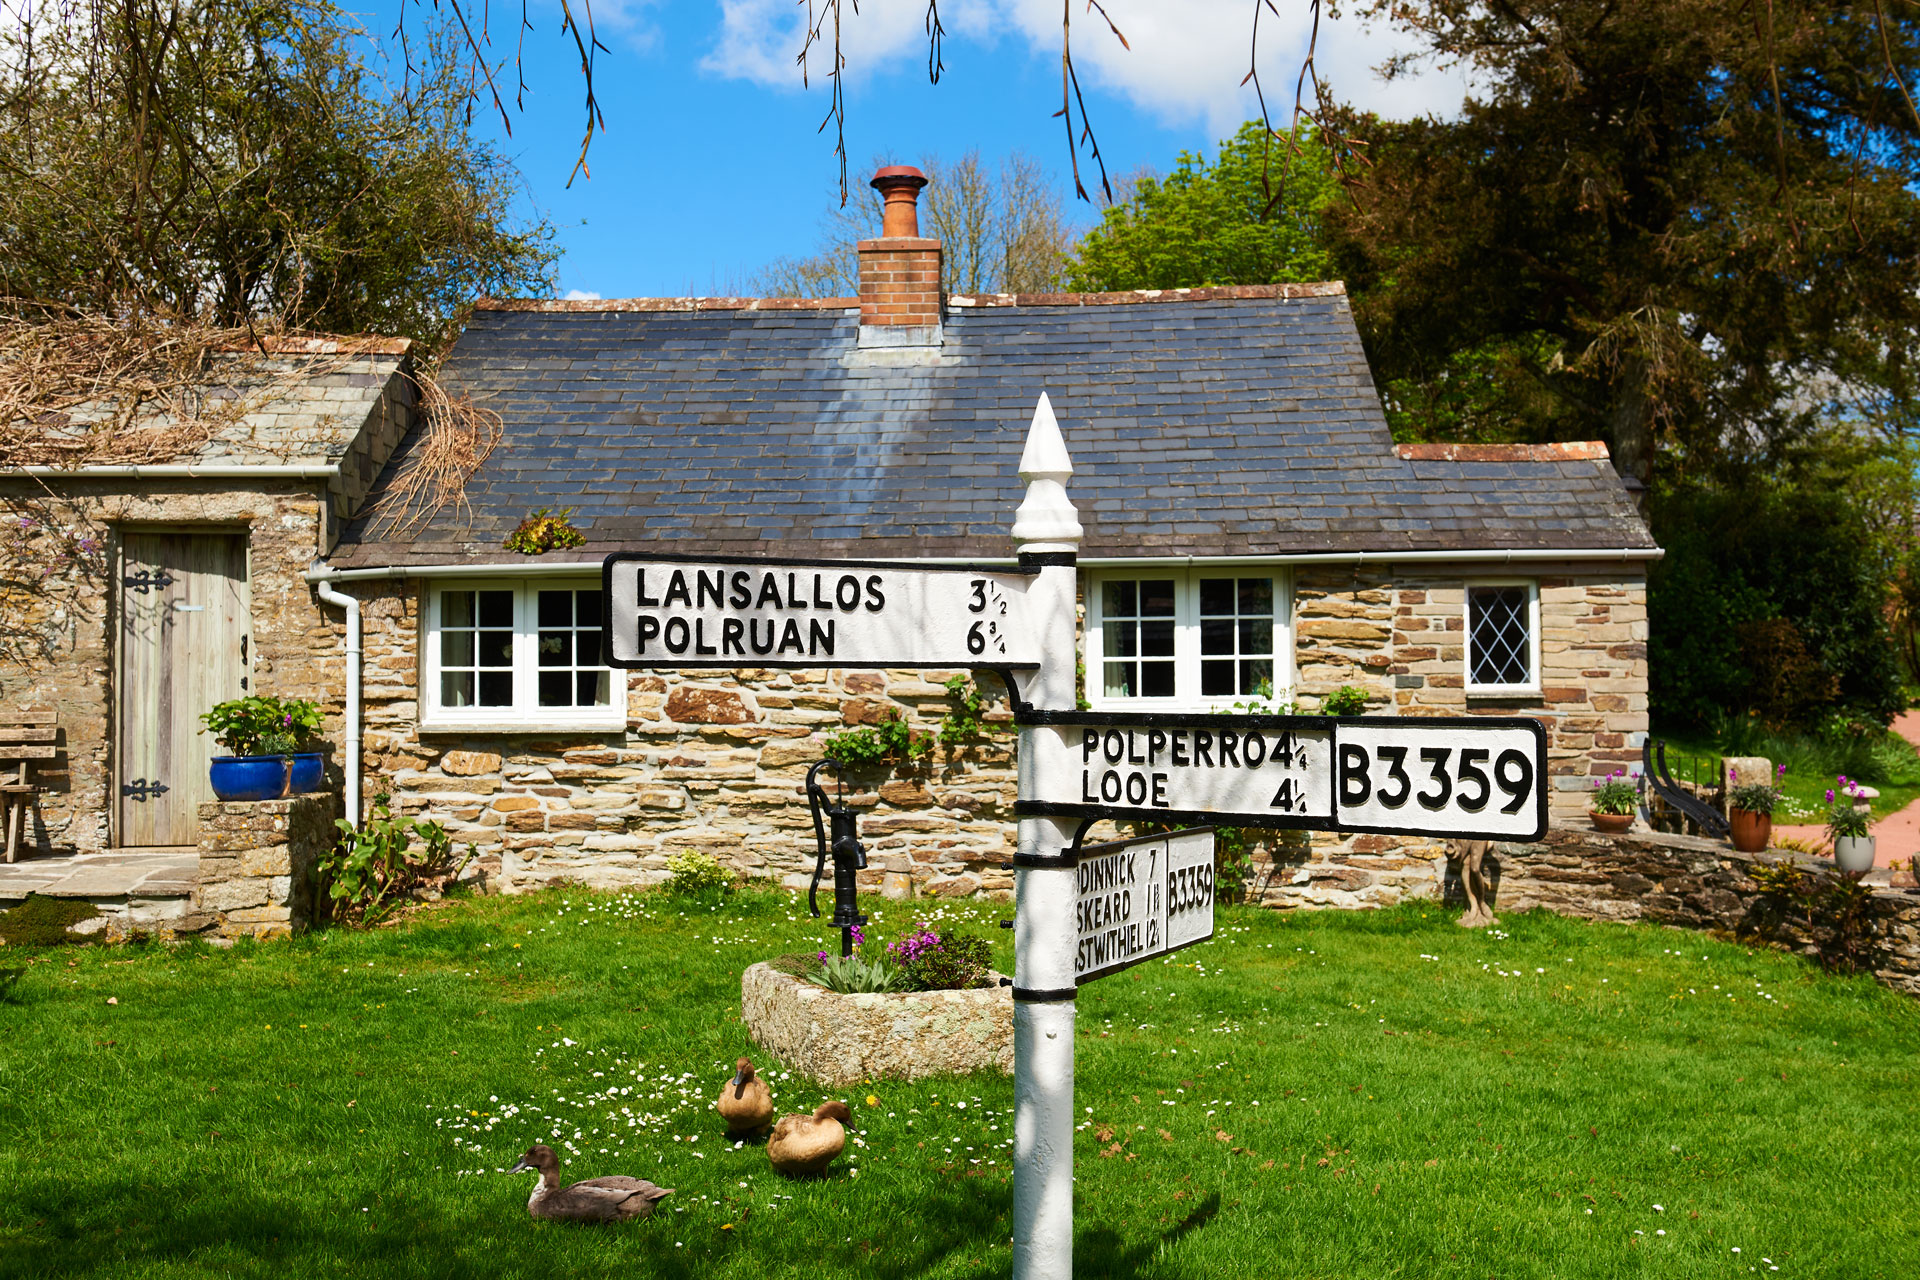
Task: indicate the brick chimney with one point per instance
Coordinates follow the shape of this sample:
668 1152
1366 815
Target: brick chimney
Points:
900 272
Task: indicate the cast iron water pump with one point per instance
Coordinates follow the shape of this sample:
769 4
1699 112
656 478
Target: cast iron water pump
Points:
848 856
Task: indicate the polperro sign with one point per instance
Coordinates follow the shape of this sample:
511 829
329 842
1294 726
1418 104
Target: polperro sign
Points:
1467 777
1141 898
723 611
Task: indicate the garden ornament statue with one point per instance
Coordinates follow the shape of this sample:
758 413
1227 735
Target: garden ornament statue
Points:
614 1199
745 1103
803 1146
848 857
1474 883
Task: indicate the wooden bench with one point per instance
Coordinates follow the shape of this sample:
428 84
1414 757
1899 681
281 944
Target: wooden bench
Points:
24 736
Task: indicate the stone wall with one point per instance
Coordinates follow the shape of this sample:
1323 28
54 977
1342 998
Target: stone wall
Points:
256 864
1399 632
57 640
1682 881
715 761
710 761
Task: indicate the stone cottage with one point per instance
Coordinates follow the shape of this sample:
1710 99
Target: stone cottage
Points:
1252 532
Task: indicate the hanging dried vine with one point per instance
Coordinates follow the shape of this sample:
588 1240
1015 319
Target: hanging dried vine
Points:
455 438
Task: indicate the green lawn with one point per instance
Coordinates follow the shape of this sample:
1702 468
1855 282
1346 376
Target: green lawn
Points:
1324 1095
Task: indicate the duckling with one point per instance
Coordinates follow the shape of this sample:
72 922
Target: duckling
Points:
803 1146
614 1199
745 1104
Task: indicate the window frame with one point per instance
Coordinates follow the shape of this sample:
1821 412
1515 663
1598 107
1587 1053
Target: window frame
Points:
525 715
1186 634
1530 689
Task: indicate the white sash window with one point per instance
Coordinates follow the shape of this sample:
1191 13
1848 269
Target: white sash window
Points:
517 654
1186 638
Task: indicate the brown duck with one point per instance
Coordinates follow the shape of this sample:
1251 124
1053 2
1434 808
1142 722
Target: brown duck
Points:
613 1199
745 1103
803 1146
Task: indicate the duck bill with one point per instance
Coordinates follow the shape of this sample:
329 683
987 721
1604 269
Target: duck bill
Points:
521 1167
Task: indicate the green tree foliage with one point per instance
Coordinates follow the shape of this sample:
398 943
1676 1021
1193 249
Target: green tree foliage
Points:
1772 599
231 162
1216 223
1682 221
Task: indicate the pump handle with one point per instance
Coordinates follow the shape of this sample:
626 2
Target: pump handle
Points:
816 798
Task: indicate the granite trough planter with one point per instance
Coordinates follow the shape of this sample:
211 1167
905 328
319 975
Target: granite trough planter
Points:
845 1039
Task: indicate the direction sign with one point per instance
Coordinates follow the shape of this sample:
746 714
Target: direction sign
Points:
1137 899
736 611
1474 777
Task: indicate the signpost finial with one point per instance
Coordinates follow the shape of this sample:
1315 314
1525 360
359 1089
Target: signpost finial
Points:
1047 516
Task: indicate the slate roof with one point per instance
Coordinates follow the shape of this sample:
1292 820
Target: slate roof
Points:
307 400
1204 422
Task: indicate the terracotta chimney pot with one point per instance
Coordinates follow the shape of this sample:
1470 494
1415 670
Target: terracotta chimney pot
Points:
900 184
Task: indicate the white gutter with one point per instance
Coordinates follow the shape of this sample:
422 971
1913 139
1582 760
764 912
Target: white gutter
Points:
351 765
576 568
532 569
1518 555
178 471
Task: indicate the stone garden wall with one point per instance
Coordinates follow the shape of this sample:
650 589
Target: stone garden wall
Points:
1682 881
256 865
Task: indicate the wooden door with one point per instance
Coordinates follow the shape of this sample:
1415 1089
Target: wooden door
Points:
184 627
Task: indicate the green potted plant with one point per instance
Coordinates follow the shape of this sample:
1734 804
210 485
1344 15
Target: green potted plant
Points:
1614 799
1847 822
1750 811
265 738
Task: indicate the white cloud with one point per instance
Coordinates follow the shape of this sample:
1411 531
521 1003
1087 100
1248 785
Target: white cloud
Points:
627 19
582 295
1185 62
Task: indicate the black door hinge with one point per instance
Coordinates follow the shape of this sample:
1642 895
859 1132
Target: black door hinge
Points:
141 789
157 579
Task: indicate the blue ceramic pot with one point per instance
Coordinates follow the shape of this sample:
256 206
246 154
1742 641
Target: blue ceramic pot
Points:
250 777
308 769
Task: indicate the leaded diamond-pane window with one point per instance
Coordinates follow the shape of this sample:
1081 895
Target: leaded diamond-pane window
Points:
1499 640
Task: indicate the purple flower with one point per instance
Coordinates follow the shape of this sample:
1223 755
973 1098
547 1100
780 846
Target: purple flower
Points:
1829 795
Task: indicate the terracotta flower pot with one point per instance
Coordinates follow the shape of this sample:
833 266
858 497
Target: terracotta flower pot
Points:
1751 830
1612 823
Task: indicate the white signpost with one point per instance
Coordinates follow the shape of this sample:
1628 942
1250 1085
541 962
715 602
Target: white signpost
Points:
1138 899
731 611
1081 913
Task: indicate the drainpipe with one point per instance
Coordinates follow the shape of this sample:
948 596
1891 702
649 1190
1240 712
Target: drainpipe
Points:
330 595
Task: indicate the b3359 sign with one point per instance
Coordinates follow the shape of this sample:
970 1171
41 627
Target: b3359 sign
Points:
1465 777
730 611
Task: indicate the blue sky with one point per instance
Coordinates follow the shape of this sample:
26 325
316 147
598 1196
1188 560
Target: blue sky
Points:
711 166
